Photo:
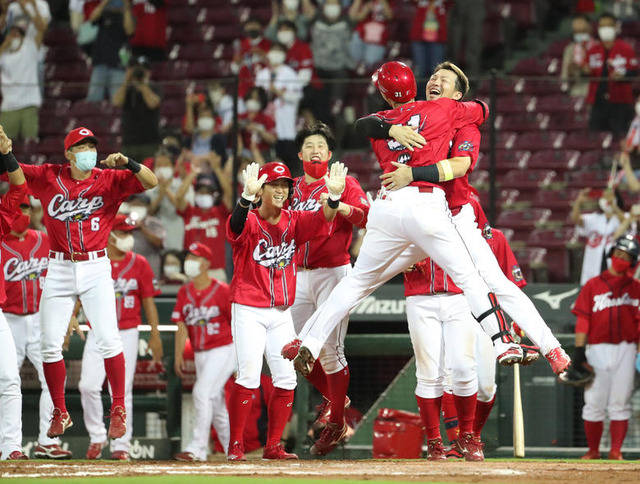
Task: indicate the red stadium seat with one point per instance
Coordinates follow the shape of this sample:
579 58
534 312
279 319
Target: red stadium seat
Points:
173 107
588 179
217 16
181 16
541 140
516 103
519 122
86 108
507 160
223 33
505 140
78 72
588 140
528 180
193 52
54 107
64 54
555 199
524 221
558 160
213 70
532 262
54 126
66 91
184 34
541 87
169 71
59 37
559 103
569 121
555 241
51 145
556 48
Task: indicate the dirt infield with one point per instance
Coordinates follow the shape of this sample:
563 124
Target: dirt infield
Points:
489 471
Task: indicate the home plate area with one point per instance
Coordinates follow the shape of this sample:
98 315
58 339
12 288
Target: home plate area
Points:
488 471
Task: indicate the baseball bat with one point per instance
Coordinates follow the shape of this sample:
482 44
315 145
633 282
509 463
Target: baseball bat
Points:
518 418
612 173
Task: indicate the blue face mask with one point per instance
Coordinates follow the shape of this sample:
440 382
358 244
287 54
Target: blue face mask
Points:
86 160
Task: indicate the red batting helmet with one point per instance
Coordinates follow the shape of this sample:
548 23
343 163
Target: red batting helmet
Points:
395 81
275 171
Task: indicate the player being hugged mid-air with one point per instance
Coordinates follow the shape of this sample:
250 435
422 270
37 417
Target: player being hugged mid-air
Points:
80 203
263 288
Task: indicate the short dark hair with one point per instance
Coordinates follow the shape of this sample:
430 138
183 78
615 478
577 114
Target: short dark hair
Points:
262 95
318 128
582 16
607 15
252 20
287 23
462 82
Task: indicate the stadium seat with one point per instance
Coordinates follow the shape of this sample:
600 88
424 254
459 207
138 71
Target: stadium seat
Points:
173 107
532 262
516 103
556 242
54 107
505 140
86 108
559 103
184 34
212 70
59 37
541 140
556 48
194 52
507 160
223 33
523 221
64 54
181 16
569 121
541 87
78 72
588 179
66 91
555 199
528 180
217 16
169 71
558 160
594 159
519 122
588 140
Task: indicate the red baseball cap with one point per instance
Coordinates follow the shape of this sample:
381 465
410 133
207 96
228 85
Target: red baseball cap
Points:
79 134
200 250
123 222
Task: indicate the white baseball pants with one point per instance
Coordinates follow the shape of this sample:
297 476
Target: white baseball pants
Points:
213 368
92 378
10 395
403 218
441 325
91 282
612 386
312 289
258 332
25 330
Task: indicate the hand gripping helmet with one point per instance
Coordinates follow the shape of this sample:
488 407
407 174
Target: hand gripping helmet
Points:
628 244
275 171
395 81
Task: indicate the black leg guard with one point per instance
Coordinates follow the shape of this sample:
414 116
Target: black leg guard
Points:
504 334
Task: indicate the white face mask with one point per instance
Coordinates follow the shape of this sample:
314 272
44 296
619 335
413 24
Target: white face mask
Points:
16 42
638 108
124 244
332 11
607 34
192 268
138 213
171 270
291 4
581 37
276 57
164 172
216 95
206 123
286 37
604 205
204 201
253 105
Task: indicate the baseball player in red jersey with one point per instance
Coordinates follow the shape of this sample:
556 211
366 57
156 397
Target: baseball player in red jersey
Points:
263 287
448 81
10 395
607 340
322 262
135 287
203 312
25 257
80 203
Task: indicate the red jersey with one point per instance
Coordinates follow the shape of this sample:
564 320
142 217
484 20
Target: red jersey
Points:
264 256
430 21
24 267
374 29
151 25
206 313
299 57
466 142
79 214
261 119
620 58
206 226
607 308
428 278
133 280
327 251
9 210
437 121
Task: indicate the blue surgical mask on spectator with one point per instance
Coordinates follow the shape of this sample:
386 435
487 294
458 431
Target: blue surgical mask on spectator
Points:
86 160
116 4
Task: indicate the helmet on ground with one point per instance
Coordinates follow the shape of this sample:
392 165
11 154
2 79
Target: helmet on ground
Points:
395 80
275 171
629 244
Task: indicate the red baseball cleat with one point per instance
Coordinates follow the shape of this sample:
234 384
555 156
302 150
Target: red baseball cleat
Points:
513 355
531 354
303 363
591 455
118 425
53 451
277 452
95 450
59 423
471 447
236 452
120 455
323 413
615 455
329 438
290 350
435 450
17 455
455 452
187 457
558 359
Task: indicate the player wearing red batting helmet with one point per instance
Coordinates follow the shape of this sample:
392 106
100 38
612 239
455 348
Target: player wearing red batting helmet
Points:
395 81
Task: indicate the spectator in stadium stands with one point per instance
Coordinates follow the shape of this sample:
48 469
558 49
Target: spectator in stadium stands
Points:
598 228
222 103
163 198
250 54
21 94
466 22
370 36
626 9
630 146
149 233
575 54
611 99
172 272
428 35
140 101
256 126
200 127
86 31
150 37
283 86
287 10
115 25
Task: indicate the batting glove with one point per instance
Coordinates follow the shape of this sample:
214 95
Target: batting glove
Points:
336 180
252 184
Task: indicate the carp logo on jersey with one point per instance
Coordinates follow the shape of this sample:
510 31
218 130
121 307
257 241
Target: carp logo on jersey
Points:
17 270
73 210
516 272
274 257
123 286
465 146
605 301
309 205
199 315
486 231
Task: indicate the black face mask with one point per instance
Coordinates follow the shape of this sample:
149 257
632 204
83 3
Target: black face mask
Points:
253 33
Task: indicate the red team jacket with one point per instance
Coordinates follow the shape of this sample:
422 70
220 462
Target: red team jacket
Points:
9 210
621 55
466 142
607 309
24 267
133 280
206 226
79 214
264 256
206 313
437 121
325 250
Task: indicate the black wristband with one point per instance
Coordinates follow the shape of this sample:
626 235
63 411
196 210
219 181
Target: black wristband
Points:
426 173
579 356
9 161
134 166
333 203
248 203
373 127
